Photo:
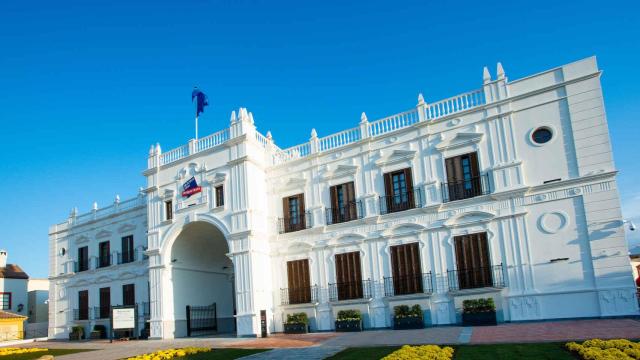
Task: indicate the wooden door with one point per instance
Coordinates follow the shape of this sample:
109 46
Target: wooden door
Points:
299 281
349 276
406 269
473 261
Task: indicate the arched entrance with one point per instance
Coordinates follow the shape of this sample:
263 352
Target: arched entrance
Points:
202 275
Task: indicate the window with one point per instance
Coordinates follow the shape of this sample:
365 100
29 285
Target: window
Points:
219 196
127 254
405 269
83 305
168 209
343 204
463 177
472 261
399 193
348 276
128 295
105 302
299 282
104 258
293 211
541 135
5 301
83 258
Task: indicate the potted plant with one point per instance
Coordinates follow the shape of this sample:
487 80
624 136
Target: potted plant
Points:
479 312
297 323
349 320
77 333
407 318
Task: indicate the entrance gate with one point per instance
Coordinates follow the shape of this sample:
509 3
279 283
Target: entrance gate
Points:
202 320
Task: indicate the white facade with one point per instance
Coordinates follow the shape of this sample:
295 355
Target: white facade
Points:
547 213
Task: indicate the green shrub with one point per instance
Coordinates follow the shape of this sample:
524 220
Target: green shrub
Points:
297 318
403 311
78 329
478 306
349 315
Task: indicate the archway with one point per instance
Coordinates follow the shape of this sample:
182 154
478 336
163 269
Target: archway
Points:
202 275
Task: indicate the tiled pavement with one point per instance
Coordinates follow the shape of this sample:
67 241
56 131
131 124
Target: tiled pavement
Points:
320 345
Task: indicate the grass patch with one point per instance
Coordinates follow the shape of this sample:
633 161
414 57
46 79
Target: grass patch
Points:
223 354
37 354
537 351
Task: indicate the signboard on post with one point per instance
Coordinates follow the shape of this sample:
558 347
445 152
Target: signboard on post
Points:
263 322
123 318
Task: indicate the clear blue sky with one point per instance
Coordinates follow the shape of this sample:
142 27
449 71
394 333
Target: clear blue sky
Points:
87 86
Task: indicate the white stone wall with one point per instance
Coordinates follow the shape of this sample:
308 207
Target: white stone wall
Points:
552 216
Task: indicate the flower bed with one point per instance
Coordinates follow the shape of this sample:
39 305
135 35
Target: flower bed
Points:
16 351
423 352
348 321
596 349
297 323
407 318
170 353
479 312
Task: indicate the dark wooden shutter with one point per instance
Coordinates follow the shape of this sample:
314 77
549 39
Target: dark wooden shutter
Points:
348 276
388 192
299 281
105 302
473 261
302 224
128 294
83 305
409 182
334 213
286 214
475 166
350 198
406 269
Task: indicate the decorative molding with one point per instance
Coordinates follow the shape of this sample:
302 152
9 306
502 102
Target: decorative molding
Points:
397 156
340 171
103 234
469 218
126 228
460 139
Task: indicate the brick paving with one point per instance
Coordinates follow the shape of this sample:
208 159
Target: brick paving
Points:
557 331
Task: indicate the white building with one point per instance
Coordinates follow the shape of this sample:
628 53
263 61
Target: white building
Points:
507 191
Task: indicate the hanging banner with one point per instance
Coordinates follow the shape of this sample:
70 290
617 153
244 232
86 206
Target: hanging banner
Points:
190 187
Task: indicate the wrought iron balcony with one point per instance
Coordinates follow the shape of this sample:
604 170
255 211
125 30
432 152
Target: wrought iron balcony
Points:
144 309
81 314
296 223
126 257
351 211
489 276
465 189
303 295
102 312
350 290
103 261
79 266
408 284
400 201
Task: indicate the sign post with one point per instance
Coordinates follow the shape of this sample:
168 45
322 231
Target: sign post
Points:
263 322
123 318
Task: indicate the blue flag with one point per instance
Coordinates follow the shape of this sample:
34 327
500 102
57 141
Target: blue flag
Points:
201 100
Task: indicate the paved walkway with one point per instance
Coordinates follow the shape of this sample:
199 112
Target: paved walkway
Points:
321 345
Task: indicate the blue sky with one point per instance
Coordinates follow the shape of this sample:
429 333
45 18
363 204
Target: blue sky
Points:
86 87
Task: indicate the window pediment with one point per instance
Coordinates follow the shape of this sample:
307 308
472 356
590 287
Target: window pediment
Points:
459 140
396 157
126 228
340 171
472 217
103 234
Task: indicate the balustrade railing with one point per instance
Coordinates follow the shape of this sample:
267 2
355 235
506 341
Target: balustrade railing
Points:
455 104
112 209
393 122
262 140
472 278
340 139
212 140
175 154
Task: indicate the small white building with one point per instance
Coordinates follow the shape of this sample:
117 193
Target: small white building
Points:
507 191
13 287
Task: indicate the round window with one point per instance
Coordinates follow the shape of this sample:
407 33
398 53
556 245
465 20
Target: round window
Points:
541 135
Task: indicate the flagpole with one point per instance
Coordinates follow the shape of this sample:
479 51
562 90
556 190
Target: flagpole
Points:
196 119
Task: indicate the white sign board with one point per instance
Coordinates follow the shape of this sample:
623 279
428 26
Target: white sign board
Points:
124 318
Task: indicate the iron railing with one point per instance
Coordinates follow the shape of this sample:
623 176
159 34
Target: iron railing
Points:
103 261
79 266
295 223
81 314
465 189
351 211
126 257
303 295
350 290
144 309
102 312
473 278
408 284
400 201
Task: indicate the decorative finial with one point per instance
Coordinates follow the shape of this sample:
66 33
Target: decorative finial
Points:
233 116
74 212
269 135
500 71
158 150
486 77
151 150
251 117
95 206
420 99
363 117
314 134
117 200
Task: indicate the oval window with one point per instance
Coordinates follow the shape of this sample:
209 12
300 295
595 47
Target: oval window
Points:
541 135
